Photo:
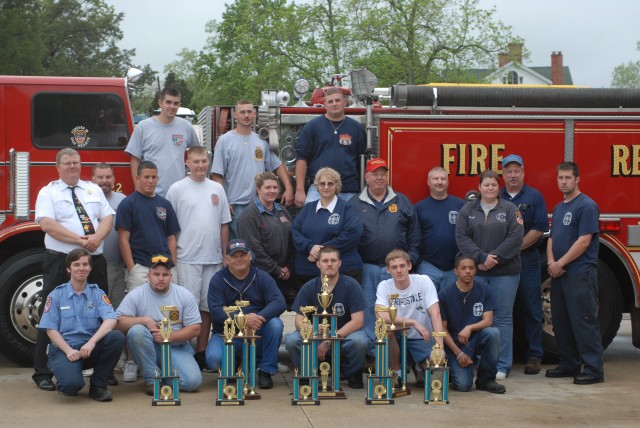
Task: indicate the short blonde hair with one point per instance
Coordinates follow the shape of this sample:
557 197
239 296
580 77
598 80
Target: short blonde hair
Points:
397 254
332 175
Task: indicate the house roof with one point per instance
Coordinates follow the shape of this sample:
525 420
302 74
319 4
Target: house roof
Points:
480 74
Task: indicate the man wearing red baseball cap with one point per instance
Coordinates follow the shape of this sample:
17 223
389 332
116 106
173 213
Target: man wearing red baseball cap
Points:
389 222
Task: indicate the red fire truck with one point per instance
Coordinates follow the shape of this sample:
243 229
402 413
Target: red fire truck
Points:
467 129
38 117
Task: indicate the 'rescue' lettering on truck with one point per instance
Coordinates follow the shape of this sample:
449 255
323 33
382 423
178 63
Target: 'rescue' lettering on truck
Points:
466 129
38 117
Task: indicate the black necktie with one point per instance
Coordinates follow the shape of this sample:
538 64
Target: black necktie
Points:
87 226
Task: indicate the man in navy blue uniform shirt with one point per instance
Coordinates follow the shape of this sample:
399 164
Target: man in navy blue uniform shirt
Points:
534 213
572 257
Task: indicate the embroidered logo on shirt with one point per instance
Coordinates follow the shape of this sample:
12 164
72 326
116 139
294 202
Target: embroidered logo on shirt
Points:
161 213
567 219
174 315
334 219
47 305
259 156
453 217
501 217
283 219
478 309
338 309
178 139
345 140
215 200
393 208
105 299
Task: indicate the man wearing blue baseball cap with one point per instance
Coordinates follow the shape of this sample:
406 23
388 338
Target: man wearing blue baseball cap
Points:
531 205
241 280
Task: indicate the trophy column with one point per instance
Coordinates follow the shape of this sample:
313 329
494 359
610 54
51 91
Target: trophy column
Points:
380 383
305 381
228 393
249 366
325 331
436 385
166 387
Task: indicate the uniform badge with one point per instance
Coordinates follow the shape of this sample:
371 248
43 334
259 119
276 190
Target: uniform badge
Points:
90 305
174 314
178 139
215 200
519 218
567 219
161 213
334 219
80 136
478 309
501 217
393 208
105 299
259 155
345 140
453 217
338 309
47 305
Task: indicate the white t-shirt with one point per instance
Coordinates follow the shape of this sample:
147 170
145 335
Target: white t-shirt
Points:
413 302
201 208
164 145
55 202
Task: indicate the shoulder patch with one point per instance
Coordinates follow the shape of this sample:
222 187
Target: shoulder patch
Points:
47 305
105 298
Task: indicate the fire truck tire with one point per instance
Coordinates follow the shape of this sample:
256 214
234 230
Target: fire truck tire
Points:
609 310
20 287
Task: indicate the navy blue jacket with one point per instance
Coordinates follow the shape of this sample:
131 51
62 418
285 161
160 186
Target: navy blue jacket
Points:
259 288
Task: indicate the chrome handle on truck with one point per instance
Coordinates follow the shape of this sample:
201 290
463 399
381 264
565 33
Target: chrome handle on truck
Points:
19 184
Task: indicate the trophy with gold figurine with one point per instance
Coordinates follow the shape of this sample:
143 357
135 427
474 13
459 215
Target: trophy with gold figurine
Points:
305 380
248 352
436 386
380 383
325 330
231 383
166 386
403 390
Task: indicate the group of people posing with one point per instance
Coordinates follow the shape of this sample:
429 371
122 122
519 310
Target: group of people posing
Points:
228 239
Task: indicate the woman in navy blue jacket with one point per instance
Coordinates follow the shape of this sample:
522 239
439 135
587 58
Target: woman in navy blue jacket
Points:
328 221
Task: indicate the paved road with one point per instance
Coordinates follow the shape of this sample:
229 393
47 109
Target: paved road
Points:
529 401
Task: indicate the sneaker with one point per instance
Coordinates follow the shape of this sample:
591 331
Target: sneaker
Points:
264 380
283 368
492 386
130 372
99 394
532 366
87 372
355 381
148 389
501 375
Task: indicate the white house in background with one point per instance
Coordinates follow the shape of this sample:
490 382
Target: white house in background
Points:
511 71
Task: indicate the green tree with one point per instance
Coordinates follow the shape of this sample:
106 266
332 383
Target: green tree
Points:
626 75
21 49
417 41
180 73
143 92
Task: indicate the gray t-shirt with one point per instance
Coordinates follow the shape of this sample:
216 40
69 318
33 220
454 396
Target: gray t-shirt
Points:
144 302
239 158
165 146
111 250
201 208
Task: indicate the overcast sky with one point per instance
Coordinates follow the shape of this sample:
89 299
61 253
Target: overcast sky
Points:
593 35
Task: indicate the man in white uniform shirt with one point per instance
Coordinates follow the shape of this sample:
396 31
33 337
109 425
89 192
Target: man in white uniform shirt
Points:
73 214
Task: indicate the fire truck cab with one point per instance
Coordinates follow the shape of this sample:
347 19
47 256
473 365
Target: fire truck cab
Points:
38 117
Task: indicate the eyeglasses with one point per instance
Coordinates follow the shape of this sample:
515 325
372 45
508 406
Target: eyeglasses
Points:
69 164
326 184
159 259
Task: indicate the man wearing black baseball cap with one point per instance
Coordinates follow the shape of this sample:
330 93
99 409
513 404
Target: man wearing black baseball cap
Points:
240 280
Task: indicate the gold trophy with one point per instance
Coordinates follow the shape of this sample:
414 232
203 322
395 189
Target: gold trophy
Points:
307 393
324 297
325 368
229 395
379 384
436 387
169 393
240 318
393 310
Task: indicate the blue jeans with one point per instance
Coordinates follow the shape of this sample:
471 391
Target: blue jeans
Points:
147 355
573 309
484 344
440 278
418 350
103 360
266 347
372 275
313 195
503 289
530 303
233 226
352 351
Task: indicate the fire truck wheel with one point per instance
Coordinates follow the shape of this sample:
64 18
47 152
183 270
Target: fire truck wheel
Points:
20 288
609 309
